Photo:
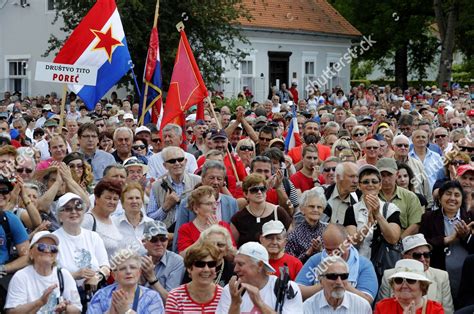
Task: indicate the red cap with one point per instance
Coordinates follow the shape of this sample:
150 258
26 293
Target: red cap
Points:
470 113
464 168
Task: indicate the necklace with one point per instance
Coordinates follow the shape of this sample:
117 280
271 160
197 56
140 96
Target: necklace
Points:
220 274
255 215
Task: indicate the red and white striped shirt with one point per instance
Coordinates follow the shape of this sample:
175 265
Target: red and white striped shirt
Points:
179 301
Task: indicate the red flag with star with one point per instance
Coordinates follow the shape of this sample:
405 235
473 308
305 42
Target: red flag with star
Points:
187 87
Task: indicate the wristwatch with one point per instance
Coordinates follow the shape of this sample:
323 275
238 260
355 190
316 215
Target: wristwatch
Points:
151 283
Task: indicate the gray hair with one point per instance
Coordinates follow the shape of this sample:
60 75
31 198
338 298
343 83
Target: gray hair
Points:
176 129
216 229
113 166
351 119
169 150
341 168
310 194
330 116
359 128
332 124
124 255
123 129
400 137
329 260
21 121
332 159
212 164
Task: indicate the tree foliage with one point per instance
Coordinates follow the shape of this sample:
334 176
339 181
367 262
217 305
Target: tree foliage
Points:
209 24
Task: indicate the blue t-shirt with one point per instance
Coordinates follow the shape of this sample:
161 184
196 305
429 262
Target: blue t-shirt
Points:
365 279
18 233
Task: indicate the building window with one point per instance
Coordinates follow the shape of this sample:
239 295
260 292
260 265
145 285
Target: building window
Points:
308 74
17 80
51 5
246 73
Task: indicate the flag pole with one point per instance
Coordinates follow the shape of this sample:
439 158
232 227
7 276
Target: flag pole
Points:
145 93
63 108
234 170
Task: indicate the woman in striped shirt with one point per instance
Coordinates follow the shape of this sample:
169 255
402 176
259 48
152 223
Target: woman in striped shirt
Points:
201 295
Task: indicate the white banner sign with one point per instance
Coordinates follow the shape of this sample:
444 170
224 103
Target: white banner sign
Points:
65 73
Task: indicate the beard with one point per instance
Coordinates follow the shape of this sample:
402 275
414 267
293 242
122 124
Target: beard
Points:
311 138
338 293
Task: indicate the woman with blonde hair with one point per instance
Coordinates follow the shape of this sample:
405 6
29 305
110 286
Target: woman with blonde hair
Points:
81 171
245 148
339 146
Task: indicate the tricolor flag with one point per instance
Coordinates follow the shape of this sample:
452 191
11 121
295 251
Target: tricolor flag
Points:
187 87
293 130
150 111
98 41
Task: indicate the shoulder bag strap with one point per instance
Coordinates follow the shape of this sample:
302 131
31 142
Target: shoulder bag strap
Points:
60 280
94 224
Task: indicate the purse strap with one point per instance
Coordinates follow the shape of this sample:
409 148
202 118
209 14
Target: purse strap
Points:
423 310
385 209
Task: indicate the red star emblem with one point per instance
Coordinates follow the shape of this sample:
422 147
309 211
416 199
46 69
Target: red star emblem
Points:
106 42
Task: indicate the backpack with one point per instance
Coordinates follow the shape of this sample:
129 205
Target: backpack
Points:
8 235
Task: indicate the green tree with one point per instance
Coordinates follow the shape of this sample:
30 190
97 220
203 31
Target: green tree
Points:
398 26
211 27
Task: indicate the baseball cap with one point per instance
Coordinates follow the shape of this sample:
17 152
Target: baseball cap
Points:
364 118
218 134
464 168
368 167
41 235
154 228
7 182
142 129
128 116
272 227
258 252
50 122
47 107
63 200
470 113
414 241
387 164
134 161
260 119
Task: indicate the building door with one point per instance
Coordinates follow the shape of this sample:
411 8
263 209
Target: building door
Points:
278 68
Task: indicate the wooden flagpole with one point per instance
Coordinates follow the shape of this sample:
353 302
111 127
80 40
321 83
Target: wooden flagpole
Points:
227 147
62 115
145 96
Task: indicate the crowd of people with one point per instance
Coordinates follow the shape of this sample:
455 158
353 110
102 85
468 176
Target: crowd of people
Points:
337 202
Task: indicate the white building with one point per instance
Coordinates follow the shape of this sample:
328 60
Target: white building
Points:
292 41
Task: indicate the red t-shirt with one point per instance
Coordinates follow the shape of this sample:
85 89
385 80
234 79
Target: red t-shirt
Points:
302 182
296 153
188 234
391 306
294 265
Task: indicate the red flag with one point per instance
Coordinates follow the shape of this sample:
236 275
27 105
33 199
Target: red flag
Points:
187 86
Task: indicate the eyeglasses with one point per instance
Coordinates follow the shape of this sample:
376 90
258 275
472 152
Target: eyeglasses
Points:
402 145
440 135
175 160
358 134
456 124
76 207
209 203
340 147
161 239
372 147
329 169
332 276
264 139
156 140
4 190
139 147
256 189
24 170
76 166
458 163
47 248
399 281
366 182
202 264
246 148
418 256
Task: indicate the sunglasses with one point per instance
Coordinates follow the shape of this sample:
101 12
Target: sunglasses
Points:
372 147
156 140
441 135
399 281
256 189
366 182
47 248
161 239
246 148
359 134
466 149
456 124
329 169
402 145
4 191
458 163
418 256
202 264
264 139
332 276
136 147
69 209
175 160
24 170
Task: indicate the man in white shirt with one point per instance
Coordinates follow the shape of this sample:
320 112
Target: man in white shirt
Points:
333 298
253 291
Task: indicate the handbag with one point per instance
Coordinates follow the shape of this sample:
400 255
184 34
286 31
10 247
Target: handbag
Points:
384 255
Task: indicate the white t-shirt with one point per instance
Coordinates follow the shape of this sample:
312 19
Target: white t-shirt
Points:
109 233
268 296
85 250
156 169
27 286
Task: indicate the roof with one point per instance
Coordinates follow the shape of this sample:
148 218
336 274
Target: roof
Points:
314 16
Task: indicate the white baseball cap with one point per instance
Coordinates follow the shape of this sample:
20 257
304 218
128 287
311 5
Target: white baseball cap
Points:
272 227
128 116
43 234
414 241
63 200
258 252
142 129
